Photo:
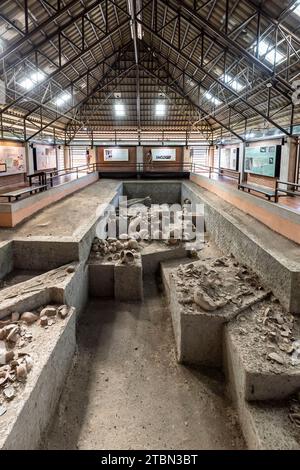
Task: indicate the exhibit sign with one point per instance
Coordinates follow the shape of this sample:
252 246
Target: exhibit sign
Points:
163 154
116 155
45 157
229 158
12 160
263 161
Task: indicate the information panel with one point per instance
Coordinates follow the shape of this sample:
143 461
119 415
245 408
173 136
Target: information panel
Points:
116 155
45 157
263 160
229 158
12 160
163 154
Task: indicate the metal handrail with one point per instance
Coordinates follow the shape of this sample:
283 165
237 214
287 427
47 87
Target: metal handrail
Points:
219 171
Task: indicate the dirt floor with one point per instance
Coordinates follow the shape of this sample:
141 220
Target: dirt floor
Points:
17 276
126 390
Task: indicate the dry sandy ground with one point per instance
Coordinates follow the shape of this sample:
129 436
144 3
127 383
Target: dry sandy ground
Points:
126 390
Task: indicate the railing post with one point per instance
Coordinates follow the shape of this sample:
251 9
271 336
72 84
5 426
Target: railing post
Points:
276 191
77 171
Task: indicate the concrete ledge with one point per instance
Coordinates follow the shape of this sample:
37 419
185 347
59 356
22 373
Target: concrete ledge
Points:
282 220
58 285
29 414
266 426
254 383
156 253
6 258
13 213
274 258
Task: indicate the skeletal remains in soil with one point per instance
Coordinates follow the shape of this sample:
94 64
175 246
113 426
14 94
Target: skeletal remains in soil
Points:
210 286
214 284
144 222
15 362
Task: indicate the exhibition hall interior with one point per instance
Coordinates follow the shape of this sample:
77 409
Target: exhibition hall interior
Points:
149 225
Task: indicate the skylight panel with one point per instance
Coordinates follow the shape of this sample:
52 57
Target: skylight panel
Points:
212 98
62 98
268 52
33 79
235 84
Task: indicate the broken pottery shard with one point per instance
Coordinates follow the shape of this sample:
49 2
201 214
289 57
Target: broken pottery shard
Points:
29 363
3 410
9 392
13 335
63 311
70 269
3 333
48 311
204 301
15 316
273 356
6 357
21 372
127 257
29 317
44 320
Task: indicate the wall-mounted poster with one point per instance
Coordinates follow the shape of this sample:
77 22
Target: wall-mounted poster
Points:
45 157
116 155
263 160
229 158
12 160
163 154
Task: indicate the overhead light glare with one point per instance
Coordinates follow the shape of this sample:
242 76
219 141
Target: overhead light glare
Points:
119 109
212 98
296 8
268 52
62 98
235 84
160 109
34 78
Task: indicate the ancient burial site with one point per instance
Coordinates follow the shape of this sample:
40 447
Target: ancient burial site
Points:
149 329
149 229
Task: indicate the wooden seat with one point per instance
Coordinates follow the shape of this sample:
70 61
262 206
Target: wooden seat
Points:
19 192
269 193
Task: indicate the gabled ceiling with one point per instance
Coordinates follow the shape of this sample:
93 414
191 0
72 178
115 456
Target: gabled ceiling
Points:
198 57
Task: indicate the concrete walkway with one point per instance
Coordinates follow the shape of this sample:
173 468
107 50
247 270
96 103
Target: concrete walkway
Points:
126 390
66 216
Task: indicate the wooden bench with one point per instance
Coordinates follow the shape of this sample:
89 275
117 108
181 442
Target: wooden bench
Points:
288 192
269 193
19 192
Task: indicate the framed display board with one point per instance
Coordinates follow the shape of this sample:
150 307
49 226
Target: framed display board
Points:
163 154
263 160
116 155
229 158
45 157
12 160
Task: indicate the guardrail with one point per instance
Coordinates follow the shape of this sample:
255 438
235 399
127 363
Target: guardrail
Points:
292 189
210 170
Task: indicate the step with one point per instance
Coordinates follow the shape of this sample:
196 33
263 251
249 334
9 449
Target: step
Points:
198 332
249 340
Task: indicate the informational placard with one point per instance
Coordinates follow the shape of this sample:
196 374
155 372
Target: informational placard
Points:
163 154
263 160
45 157
12 160
229 158
116 155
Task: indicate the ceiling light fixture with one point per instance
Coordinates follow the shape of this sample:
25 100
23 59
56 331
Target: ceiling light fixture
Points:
160 109
119 109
